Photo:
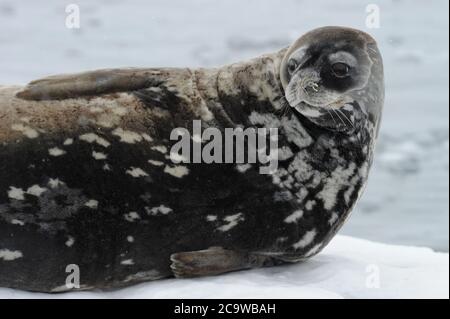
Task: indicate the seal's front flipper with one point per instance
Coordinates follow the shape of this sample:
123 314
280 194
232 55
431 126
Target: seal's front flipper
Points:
214 261
99 82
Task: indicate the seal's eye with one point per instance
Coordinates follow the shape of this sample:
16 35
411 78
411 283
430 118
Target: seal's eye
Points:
340 69
292 66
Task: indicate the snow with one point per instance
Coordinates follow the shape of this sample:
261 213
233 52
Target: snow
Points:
347 268
407 199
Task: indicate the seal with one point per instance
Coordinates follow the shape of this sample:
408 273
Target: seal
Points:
88 181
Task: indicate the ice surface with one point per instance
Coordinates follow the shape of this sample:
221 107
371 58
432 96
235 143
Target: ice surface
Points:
348 268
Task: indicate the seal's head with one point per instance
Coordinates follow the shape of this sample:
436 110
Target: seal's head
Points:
334 73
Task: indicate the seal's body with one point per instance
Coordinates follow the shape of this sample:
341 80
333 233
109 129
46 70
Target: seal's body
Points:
87 177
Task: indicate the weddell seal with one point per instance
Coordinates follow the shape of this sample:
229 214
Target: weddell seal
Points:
88 178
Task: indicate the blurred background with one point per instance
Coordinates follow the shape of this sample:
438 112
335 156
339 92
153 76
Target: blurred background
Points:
407 199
